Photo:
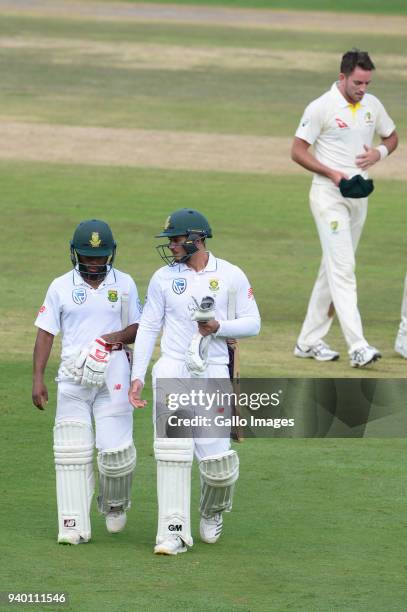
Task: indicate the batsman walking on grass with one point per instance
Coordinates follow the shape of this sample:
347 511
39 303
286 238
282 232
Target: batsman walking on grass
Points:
189 298
341 125
96 309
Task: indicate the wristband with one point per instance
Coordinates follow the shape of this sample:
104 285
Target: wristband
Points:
383 151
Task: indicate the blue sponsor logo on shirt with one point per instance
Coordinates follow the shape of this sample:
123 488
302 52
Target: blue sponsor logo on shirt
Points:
179 285
79 295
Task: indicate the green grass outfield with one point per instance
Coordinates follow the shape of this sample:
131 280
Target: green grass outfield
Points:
317 524
62 85
395 7
269 233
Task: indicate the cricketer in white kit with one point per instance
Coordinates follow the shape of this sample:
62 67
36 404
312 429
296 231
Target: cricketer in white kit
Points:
188 299
341 125
401 340
96 309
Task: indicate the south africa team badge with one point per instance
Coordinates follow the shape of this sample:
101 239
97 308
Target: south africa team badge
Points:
179 285
79 295
112 295
214 284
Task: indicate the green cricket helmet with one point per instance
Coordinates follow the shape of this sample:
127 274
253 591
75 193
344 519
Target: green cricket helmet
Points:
93 238
184 222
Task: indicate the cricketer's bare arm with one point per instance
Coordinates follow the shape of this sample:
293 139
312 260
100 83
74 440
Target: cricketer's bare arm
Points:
125 336
301 155
42 351
372 155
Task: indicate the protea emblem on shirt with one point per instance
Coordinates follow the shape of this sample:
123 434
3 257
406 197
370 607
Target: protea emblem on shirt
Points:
95 241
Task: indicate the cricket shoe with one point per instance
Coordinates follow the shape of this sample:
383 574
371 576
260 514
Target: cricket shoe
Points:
364 356
320 352
70 537
116 520
171 546
211 528
401 348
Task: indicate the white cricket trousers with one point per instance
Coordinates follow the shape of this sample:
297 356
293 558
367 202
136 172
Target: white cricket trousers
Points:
339 223
113 415
166 367
403 323
108 405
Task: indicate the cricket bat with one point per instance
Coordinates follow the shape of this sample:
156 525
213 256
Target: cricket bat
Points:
234 364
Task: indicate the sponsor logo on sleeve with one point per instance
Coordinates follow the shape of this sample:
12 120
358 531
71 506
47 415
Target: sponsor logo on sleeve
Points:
42 309
250 293
179 285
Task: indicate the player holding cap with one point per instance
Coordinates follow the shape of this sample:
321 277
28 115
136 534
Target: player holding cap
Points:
188 298
96 309
341 125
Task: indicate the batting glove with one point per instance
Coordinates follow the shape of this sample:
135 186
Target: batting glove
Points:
205 311
97 360
196 358
73 367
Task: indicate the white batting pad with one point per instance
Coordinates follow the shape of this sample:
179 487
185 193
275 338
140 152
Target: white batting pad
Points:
218 476
73 452
116 469
174 460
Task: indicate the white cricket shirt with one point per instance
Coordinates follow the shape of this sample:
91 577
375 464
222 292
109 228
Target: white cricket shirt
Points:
338 130
82 313
169 305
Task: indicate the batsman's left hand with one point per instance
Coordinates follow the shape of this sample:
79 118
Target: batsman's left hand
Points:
94 368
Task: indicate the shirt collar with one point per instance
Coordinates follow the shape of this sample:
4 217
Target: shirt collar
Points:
211 266
341 99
